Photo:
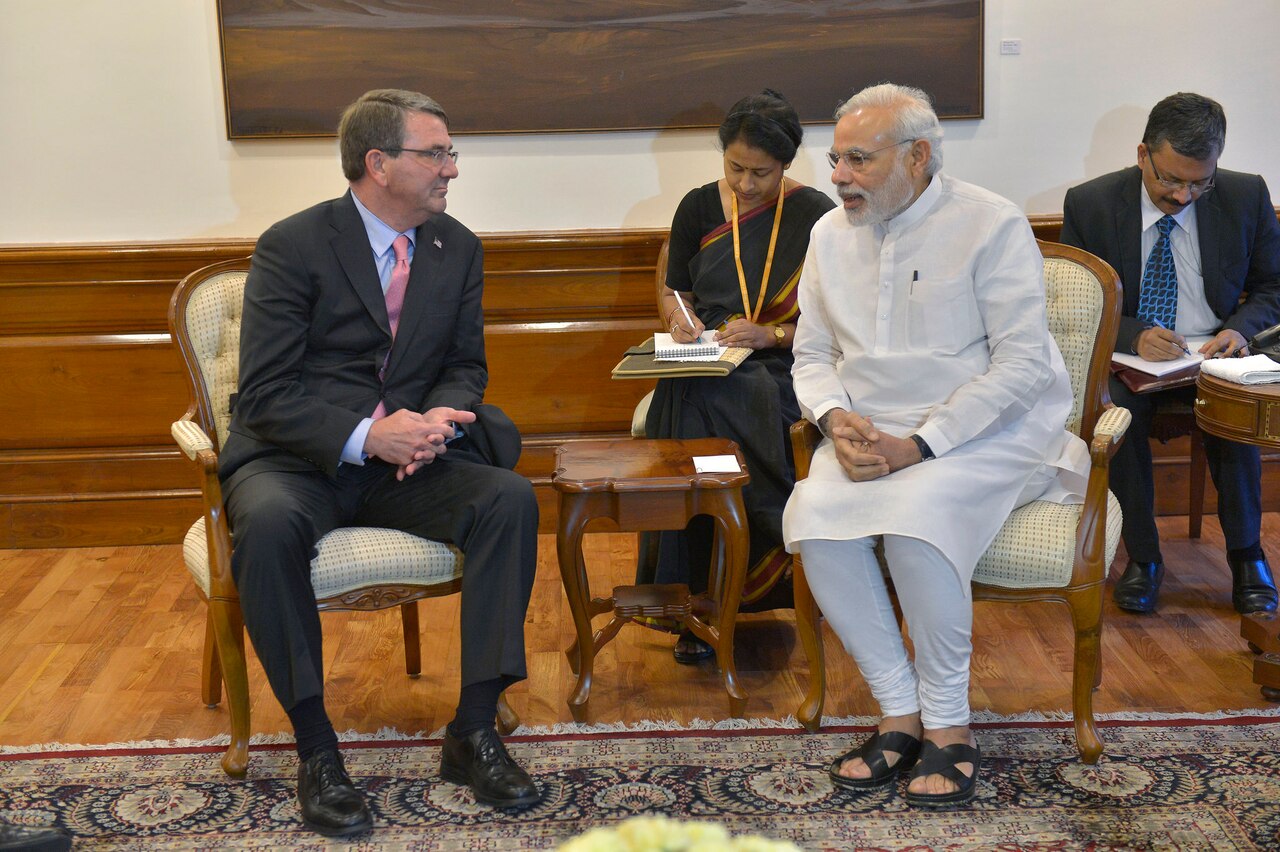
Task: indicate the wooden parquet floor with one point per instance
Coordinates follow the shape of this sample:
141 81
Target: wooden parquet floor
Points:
104 644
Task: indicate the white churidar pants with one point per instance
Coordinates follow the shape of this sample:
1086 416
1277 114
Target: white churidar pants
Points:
847 583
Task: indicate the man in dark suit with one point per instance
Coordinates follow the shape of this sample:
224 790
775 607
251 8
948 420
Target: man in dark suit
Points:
1197 249
349 416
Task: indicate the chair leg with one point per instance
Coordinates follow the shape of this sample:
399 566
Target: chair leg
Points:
1086 617
810 710
508 721
1196 510
1097 675
412 639
229 630
211 668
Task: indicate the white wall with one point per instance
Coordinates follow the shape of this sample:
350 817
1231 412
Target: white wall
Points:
112 118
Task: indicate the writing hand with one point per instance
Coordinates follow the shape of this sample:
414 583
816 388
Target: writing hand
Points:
1160 344
684 325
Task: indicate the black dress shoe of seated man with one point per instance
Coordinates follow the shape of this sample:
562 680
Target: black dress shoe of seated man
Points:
480 761
34 838
1139 586
331 805
1252 587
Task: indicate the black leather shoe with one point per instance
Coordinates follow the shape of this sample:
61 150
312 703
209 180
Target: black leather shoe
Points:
480 761
1252 587
330 803
1139 586
33 838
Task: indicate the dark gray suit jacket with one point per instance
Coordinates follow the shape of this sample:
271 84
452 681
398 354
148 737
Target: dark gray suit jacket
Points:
1239 245
315 331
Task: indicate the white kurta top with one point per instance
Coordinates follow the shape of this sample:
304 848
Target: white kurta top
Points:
933 323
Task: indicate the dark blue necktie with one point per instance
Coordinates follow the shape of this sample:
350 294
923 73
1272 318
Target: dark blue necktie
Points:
1158 299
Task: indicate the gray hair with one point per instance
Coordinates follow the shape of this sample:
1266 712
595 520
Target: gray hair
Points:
914 117
376 121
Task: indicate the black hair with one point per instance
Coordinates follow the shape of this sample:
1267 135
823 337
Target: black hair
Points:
1195 126
766 121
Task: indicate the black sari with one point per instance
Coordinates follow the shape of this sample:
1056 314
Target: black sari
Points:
752 406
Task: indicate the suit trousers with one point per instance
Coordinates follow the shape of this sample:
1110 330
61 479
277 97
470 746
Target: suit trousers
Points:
1236 470
277 517
847 583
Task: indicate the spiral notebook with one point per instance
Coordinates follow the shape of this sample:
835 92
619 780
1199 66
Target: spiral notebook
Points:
639 363
704 348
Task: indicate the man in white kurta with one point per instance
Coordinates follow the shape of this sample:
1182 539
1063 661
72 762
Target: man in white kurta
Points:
924 355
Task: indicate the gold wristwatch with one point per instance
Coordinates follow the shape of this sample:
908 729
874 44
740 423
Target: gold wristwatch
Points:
779 335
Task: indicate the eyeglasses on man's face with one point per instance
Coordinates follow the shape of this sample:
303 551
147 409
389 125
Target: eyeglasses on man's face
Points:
1195 187
857 160
436 156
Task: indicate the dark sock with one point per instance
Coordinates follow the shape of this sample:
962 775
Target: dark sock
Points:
1250 553
478 706
312 728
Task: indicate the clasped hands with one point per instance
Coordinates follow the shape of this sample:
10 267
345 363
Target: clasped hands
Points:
739 332
1162 344
864 451
411 440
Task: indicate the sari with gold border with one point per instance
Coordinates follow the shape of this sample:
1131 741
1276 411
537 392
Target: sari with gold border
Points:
755 404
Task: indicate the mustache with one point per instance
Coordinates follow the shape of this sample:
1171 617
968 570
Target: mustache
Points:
845 191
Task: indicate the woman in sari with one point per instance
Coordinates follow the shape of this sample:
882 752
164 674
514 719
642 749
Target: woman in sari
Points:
737 247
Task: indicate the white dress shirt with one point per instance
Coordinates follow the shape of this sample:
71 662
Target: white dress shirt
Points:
1194 314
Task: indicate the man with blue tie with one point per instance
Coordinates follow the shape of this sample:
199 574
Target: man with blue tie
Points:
1197 249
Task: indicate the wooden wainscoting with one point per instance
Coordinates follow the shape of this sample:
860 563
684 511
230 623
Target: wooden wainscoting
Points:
92 381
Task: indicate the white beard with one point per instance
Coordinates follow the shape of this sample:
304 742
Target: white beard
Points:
882 204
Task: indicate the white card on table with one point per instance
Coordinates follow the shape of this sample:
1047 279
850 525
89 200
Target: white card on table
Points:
716 464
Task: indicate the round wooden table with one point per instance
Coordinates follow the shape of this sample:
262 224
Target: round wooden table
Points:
651 485
1249 414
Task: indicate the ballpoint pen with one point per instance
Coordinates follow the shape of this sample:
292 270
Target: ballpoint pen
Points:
1183 346
684 310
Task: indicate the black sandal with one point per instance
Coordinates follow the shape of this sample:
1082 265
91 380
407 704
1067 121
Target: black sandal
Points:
701 650
943 761
872 754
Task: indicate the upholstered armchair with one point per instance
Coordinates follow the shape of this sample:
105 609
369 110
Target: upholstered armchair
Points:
357 568
1045 551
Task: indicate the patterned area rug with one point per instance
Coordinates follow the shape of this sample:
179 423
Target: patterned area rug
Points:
1203 784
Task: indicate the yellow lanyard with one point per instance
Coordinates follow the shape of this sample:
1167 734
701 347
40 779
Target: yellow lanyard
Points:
768 261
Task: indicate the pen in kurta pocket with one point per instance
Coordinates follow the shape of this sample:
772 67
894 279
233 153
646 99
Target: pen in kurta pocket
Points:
915 276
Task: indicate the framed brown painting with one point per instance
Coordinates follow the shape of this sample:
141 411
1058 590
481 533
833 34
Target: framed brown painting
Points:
290 66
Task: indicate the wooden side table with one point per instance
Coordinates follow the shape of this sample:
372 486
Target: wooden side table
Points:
1249 414
651 485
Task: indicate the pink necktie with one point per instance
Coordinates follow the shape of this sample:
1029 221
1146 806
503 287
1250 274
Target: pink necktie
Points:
395 301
